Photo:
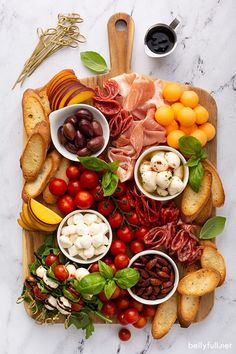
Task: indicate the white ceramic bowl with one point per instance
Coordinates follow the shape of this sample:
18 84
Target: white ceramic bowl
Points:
155 149
57 119
77 259
176 281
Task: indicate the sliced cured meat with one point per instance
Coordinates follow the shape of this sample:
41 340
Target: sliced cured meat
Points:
125 82
140 92
119 123
110 91
108 107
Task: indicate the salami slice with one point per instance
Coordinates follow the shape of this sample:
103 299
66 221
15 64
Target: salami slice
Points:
110 91
108 107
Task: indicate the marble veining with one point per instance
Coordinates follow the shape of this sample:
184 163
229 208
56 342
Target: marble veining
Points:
206 57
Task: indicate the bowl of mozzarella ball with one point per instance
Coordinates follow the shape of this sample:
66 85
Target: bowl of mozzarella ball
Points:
161 173
84 236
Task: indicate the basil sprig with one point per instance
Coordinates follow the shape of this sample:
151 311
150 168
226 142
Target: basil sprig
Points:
212 227
192 148
94 61
109 179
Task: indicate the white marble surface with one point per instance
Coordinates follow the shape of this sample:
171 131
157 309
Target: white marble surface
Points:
205 57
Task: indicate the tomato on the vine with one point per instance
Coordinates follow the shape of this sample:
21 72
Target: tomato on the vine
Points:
88 179
123 203
60 272
131 315
121 260
117 246
94 268
149 310
133 218
136 304
38 294
115 219
50 259
109 308
120 190
122 303
76 307
142 321
141 232
136 246
97 193
74 187
73 172
125 234
105 207
116 293
124 334
66 204
102 297
121 318
83 200
107 260
57 186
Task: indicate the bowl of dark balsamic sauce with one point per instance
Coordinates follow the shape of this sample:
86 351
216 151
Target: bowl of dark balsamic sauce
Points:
161 39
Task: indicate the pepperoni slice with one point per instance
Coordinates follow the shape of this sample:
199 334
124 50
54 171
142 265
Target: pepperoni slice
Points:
110 91
108 107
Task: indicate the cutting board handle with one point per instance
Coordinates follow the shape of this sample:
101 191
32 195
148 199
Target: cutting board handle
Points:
120 29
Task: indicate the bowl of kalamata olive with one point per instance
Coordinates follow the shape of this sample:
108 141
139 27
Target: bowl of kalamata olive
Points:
159 277
79 130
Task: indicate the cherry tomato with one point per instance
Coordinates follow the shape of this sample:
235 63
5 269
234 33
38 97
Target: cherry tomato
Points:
115 219
149 310
122 303
102 297
88 179
73 291
74 187
38 294
84 200
60 272
124 334
106 206
141 232
124 292
136 246
136 304
131 315
121 318
57 186
125 234
142 321
120 190
50 259
76 307
73 172
113 267
121 261
132 218
97 193
117 246
123 203
94 268
109 308
107 260
116 293
66 204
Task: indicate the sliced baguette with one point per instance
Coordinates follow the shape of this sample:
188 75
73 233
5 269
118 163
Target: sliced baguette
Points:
218 194
188 307
205 213
165 317
211 258
44 100
192 202
199 283
208 243
33 111
33 156
44 129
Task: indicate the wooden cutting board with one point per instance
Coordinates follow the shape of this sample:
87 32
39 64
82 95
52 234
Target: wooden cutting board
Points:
120 36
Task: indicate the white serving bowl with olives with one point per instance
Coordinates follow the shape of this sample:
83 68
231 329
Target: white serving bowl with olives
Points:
161 173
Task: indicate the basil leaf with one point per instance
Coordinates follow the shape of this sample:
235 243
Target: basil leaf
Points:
106 179
193 161
195 177
113 166
204 154
127 277
189 145
94 61
94 163
212 227
109 288
42 287
68 295
50 272
110 189
91 284
33 266
105 270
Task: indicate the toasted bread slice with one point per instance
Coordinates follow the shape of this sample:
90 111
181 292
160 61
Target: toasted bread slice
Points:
44 129
192 202
56 159
188 307
48 197
199 283
33 156
211 258
34 188
44 100
208 243
205 213
165 317
33 111
218 194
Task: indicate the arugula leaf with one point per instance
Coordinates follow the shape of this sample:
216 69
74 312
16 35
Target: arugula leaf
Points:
105 270
81 320
33 266
42 287
189 145
127 277
195 177
212 227
109 288
94 163
94 61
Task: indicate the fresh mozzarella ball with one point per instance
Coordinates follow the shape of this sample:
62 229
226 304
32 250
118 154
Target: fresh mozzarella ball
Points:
67 230
97 240
77 243
162 192
63 305
82 255
159 163
51 303
73 237
105 240
40 271
163 179
172 159
80 273
98 220
73 251
149 181
89 252
179 172
86 241
52 284
89 218
82 229
65 241
104 228
100 250
71 269
145 166
175 186
94 228
78 218
70 221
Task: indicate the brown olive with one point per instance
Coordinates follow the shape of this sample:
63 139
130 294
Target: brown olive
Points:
85 128
84 152
84 114
69 131
71 119
96 144
97 128
80 140
71 148
61 137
